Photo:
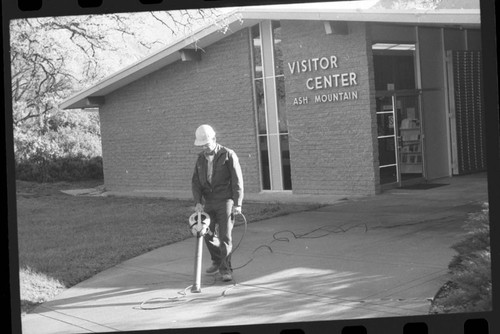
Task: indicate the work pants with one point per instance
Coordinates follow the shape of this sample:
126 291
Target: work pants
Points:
220 213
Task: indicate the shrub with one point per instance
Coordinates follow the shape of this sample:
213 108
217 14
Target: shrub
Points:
60 169
469 288
63 146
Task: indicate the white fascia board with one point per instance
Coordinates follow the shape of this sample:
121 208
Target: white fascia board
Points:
247 16
198 40
442 17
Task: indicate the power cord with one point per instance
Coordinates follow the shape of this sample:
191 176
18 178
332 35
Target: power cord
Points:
338 229
183 294
179 299
277 236
308 235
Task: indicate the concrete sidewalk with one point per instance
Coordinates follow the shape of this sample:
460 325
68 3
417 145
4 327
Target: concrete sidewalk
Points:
381 256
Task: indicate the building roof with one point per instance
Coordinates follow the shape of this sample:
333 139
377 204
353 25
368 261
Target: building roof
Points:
242 17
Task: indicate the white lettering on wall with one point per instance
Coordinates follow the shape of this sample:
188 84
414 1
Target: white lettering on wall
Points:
312 64
300 100
333 97
332 81
327 81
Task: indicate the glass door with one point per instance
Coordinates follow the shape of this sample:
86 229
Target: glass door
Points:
409 135
399 134
387 140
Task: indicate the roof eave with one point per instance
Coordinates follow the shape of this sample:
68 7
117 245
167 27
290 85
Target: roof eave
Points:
154 62
246 17
438 16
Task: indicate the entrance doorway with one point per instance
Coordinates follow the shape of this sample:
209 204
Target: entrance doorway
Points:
399 137
399 120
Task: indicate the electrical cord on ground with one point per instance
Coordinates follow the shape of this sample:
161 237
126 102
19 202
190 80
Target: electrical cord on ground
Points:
183 294
338 229
251 259
182 298
277 236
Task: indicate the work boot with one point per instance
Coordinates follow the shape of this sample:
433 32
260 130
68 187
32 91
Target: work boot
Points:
213 268
226 277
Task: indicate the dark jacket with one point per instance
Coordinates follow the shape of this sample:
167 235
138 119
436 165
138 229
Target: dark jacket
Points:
227 178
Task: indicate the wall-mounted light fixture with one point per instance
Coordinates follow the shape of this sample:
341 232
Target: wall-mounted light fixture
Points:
336 28
94 101
190 55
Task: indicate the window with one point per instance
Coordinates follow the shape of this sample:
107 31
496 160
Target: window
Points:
270 104
394 66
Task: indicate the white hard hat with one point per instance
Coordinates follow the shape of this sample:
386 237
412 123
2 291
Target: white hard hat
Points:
204 134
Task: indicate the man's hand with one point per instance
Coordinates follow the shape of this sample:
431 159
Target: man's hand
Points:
198 207
236 210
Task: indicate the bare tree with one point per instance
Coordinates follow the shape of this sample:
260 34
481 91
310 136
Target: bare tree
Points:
54 57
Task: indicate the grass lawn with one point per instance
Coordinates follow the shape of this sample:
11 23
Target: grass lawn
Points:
65 239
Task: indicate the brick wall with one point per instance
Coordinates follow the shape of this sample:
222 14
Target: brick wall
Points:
148 126
332 144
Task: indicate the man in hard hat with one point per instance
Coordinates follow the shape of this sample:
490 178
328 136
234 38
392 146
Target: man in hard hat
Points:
218 191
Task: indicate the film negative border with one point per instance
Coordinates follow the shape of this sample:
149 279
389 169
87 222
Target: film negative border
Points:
36 8
476 323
